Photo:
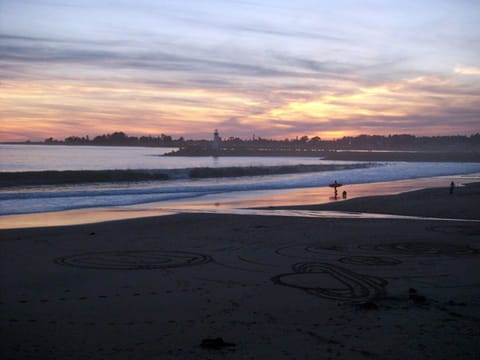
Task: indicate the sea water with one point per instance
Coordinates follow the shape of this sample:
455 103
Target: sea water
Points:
62 157
46 198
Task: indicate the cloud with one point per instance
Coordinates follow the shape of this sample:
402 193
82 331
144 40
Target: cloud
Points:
453 121
185 68
467 70
42 51
267 30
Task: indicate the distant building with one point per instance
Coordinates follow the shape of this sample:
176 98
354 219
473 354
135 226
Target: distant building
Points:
216 141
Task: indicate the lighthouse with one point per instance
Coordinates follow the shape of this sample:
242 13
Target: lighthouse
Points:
216 141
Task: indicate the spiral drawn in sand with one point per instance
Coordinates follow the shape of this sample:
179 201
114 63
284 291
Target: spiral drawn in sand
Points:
369 260
331 282
134 260
420 248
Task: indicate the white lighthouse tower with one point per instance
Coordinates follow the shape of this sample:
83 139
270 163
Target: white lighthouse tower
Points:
216 141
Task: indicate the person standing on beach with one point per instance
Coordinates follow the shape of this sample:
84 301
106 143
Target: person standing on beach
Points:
452 186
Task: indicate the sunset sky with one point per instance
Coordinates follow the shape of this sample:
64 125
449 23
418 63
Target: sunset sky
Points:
272 68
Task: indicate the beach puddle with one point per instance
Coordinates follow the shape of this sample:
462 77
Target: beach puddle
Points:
325 214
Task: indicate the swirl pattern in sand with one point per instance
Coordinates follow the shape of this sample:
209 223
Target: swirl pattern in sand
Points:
331 282
134 260
369 260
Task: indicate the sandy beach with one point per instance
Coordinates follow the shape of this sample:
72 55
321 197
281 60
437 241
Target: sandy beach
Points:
435 202
270 287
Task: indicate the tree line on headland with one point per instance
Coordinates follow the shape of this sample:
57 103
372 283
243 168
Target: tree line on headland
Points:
360 142
118 139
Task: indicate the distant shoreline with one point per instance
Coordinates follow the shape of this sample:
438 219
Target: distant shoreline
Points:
367 155
344 155
85 145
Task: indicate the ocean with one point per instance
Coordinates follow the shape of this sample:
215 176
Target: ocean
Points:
181 186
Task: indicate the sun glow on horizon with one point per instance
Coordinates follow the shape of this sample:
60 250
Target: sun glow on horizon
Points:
53 108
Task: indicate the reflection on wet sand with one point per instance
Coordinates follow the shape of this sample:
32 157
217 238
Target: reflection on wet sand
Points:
241 203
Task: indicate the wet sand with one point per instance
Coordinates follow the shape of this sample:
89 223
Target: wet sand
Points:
230 202
270 287
435 202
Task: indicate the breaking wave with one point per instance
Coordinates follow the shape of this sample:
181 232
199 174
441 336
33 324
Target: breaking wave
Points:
51 177
146 186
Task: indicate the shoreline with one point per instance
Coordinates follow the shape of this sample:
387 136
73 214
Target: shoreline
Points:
268 286
293 199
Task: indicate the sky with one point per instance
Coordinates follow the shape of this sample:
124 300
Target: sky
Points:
277 69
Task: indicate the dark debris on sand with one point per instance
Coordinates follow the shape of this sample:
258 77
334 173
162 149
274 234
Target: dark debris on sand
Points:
216 344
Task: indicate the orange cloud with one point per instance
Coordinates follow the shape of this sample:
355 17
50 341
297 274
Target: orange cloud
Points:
59 109
467 70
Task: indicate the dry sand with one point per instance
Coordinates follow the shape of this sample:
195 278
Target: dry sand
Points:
270 287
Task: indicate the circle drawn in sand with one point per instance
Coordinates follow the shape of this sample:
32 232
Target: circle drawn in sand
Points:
342 284
419 248
134 260
308 252
369 260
